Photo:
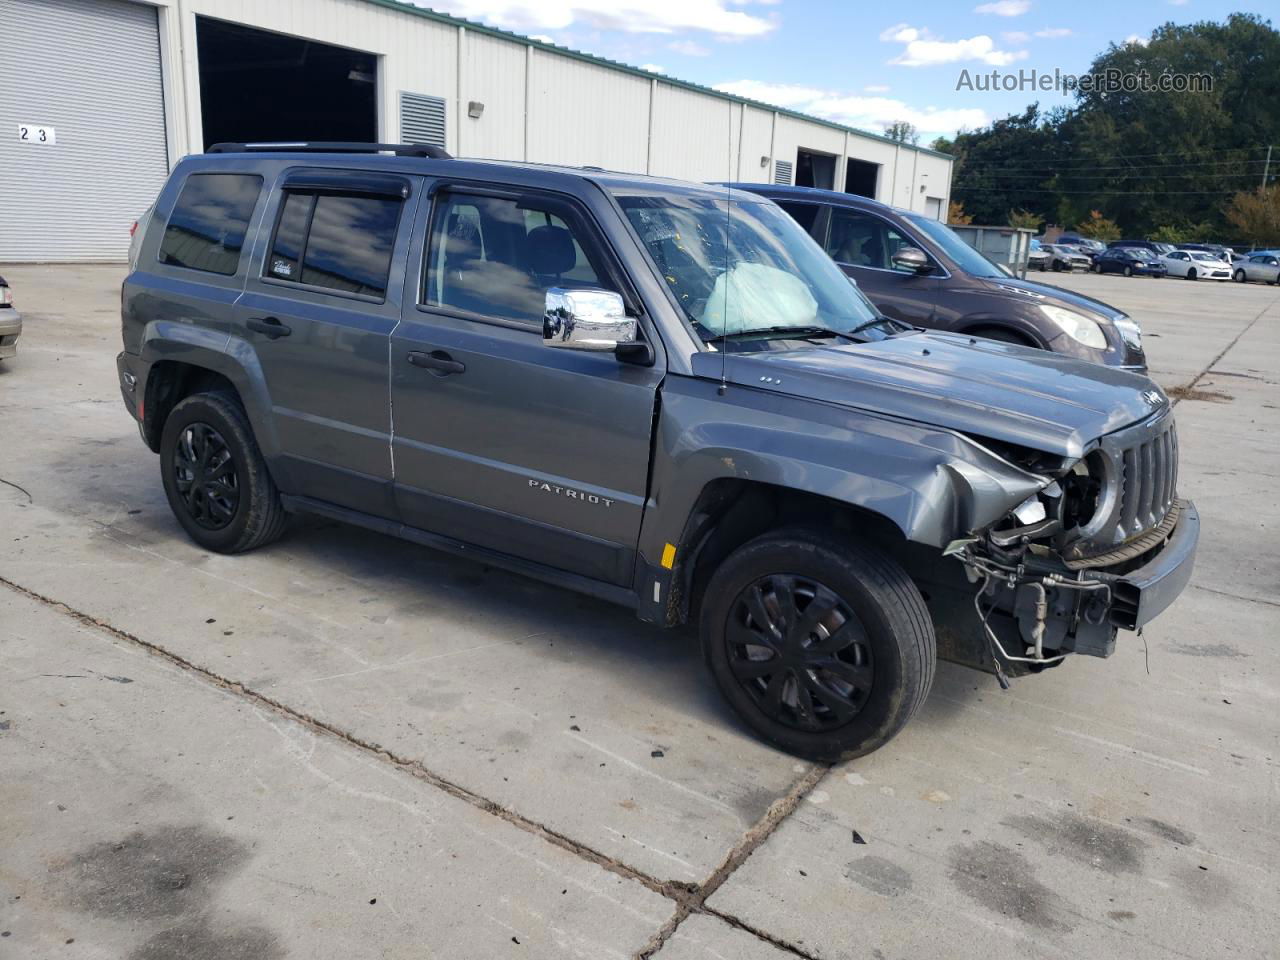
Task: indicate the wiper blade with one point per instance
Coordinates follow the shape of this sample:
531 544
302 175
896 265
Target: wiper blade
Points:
880 322
799 332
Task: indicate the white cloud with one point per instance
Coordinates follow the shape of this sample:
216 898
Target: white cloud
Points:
876 88
923 50
1136 40
1015 36
1178 3
689 48
900 33
541 38
866 113
631 16
653 68
1053 32
1004 8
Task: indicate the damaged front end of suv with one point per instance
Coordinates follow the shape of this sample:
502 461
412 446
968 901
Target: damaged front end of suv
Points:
1104 544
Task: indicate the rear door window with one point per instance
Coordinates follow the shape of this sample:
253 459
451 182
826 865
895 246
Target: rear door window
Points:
207 228
338 242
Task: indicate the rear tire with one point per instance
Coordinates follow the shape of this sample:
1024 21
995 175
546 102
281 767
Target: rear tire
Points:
217 483
823 646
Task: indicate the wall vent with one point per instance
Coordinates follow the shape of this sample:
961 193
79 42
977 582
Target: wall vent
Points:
782 172
422 119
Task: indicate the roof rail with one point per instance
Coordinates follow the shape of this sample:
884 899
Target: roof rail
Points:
325 146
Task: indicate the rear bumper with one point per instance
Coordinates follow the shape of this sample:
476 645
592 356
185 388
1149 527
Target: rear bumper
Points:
10 328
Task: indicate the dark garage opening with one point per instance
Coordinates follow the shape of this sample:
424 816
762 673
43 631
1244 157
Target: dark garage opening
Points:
860 178
257 85
815 170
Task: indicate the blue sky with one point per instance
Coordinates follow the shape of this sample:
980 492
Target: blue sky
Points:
861 64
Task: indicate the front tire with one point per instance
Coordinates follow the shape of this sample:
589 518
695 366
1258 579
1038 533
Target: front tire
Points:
214 476
1240 276
822 646
1191 274
1128 271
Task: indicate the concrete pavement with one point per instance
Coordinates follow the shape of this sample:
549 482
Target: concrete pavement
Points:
1097 809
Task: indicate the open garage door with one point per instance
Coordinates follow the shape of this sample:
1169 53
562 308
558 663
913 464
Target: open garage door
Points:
257 85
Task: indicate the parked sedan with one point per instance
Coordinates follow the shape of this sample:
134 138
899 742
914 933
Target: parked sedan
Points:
1038 258
1258 266
10 322
1196 265
1068 257
1129 261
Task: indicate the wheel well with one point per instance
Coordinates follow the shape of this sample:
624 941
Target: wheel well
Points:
730 512
1001 332
170 382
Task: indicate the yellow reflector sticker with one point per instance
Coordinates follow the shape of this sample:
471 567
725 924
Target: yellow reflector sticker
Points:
669 556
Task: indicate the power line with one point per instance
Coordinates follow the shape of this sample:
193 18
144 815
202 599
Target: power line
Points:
1098 193
1090 162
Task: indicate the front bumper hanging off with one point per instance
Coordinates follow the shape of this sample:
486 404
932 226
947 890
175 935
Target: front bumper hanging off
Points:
1035 614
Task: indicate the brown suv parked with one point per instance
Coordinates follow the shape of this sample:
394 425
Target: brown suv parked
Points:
917 270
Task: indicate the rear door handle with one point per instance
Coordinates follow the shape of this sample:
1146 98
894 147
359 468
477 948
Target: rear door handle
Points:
437 361
269 327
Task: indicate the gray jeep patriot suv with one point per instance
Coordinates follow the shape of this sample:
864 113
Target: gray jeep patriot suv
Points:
659 393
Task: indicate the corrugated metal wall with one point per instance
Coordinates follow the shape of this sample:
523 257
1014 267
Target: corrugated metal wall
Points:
91 70
583 114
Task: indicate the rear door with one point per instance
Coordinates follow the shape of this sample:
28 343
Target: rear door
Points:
863 245
500 441
316 315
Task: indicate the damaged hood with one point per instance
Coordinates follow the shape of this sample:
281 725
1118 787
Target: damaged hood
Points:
1019 395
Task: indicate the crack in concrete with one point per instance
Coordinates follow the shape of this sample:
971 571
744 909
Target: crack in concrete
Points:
763 828
1236 596
1191 385
689 898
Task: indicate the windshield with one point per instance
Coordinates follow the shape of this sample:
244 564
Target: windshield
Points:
1197 255
742 266
964 256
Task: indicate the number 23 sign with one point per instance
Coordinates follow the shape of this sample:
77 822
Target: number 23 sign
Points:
34 133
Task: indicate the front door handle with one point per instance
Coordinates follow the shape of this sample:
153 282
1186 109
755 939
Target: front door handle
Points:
437 361
269 327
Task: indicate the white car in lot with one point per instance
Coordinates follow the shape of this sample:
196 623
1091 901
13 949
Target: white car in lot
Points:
1258 266
1196 265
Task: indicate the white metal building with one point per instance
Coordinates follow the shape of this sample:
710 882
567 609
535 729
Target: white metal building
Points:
101 97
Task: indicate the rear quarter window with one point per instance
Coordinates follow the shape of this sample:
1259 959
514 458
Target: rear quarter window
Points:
207 228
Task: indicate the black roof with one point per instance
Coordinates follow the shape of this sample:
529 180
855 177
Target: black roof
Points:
411 158
777 191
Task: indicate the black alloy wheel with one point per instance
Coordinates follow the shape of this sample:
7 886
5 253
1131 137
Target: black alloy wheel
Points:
800 652
204 474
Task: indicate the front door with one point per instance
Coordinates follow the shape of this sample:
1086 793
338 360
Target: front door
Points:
499 440
863 245
316 316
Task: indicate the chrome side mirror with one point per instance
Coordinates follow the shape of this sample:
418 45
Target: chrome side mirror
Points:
586 320
913 259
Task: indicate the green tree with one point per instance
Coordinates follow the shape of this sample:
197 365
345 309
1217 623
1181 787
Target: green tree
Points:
1147 158
1025 219
902 132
